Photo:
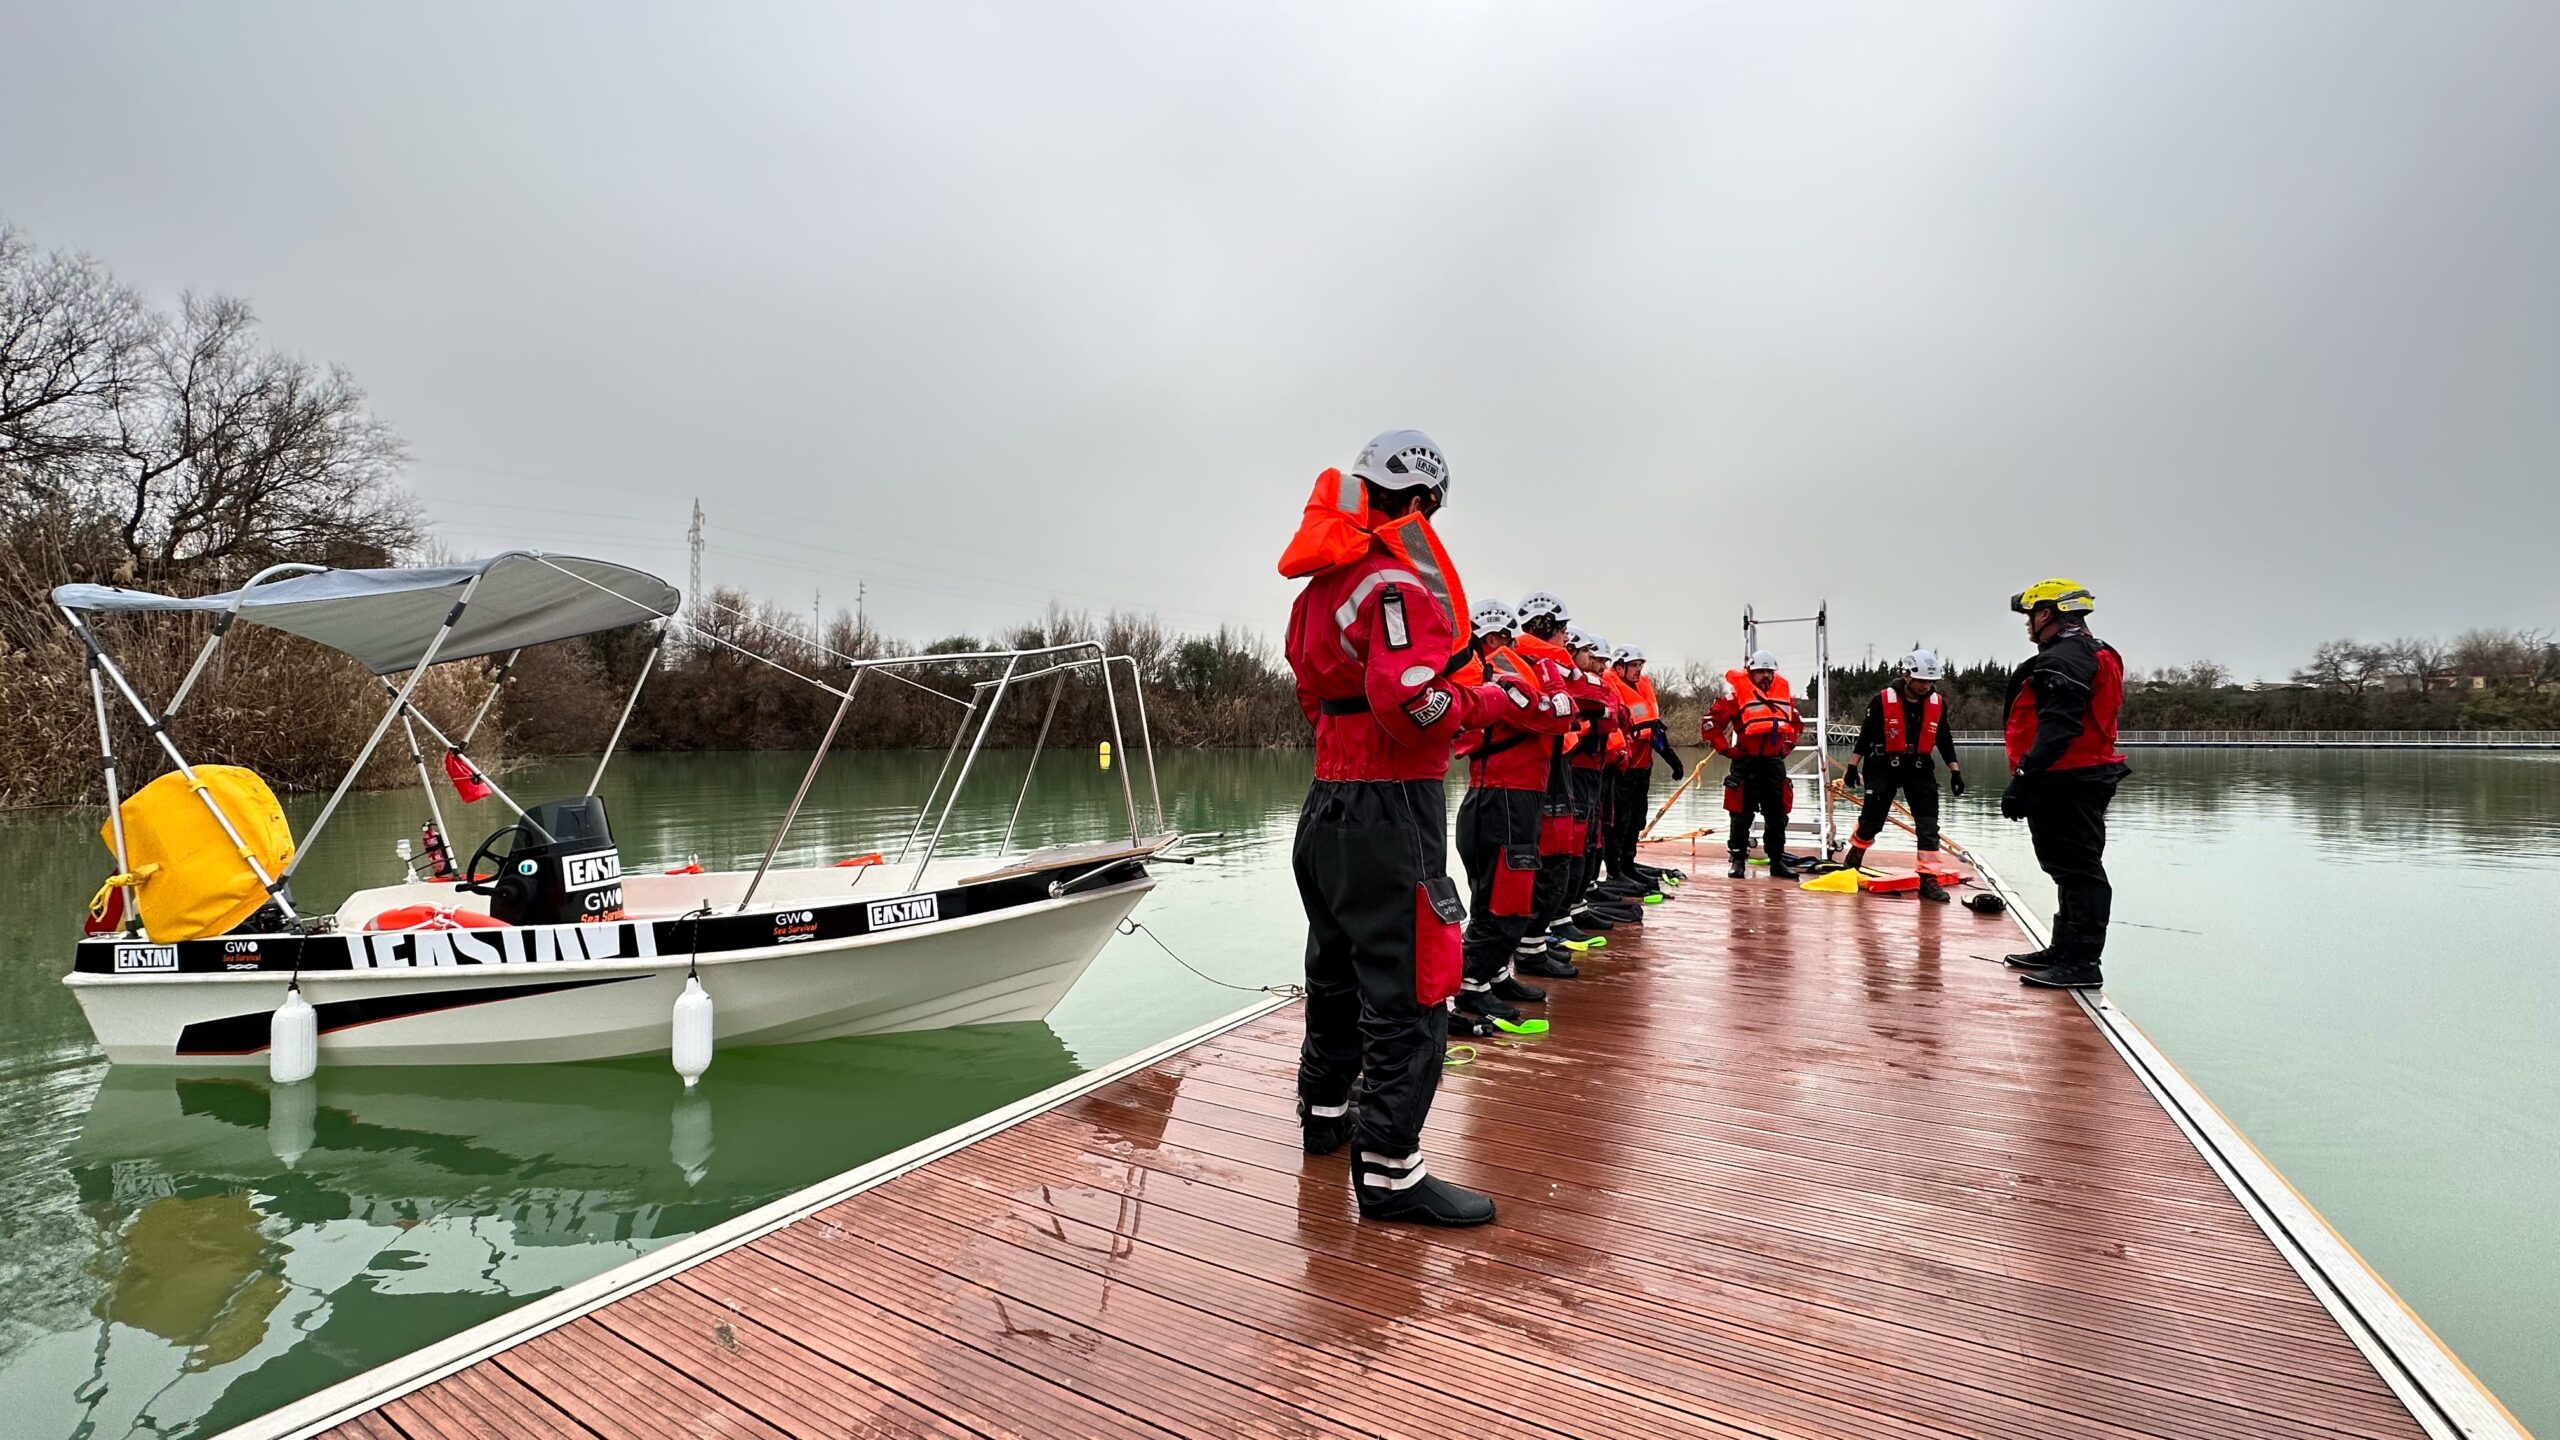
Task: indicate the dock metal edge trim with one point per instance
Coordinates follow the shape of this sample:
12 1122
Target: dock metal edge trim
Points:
358 1394
2439 1391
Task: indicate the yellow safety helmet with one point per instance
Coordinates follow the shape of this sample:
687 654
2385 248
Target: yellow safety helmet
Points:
2067 597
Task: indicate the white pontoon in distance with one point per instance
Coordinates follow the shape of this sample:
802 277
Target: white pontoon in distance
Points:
554 953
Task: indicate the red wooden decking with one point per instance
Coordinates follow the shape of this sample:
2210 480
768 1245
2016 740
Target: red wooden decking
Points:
1789 1166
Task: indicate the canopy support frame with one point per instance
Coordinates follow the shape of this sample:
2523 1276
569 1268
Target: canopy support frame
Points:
631 703
807 779
159 727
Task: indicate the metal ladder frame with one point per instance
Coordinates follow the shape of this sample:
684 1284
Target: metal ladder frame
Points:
1813 773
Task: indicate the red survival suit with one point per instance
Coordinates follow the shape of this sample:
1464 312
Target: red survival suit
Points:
1508 767
1374 640
1756 732
1560 829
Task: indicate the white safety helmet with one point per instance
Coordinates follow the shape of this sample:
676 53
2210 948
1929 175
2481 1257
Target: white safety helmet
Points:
1630 655
1761 660
1403 460
1542 604
1923 665
1491 616
1578 639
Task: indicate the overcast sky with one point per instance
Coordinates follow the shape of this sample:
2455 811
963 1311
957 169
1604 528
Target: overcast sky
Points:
2245 315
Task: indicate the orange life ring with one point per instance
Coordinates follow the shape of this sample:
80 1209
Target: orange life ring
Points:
432 917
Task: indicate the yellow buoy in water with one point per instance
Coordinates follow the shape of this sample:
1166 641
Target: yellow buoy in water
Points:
1106 754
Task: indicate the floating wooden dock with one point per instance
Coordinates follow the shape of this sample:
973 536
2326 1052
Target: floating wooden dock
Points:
1789 1166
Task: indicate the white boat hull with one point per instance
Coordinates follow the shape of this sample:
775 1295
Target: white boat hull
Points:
1012 964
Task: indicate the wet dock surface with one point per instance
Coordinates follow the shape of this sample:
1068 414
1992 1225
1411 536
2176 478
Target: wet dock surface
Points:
1788 1166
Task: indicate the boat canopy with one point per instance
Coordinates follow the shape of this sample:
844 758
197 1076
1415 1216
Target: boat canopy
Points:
387 618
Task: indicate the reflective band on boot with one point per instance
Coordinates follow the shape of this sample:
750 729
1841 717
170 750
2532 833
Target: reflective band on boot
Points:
1329 1112
1412 1166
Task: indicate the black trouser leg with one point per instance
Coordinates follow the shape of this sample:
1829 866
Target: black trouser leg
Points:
1329 1059
1634 788
2067 821
1591 794
1491 823
1920 792
1363 849
1877 810
1764 792
1555 872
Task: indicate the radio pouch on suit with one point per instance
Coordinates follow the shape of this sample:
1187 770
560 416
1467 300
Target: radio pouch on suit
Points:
1555 831
1515 881
1733 795
1439 945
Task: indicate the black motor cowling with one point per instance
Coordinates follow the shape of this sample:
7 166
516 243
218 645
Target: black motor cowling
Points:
558 867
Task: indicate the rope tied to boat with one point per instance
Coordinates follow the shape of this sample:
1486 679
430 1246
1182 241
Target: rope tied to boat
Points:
1286 992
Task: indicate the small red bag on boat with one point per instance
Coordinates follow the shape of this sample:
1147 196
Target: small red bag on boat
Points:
466 778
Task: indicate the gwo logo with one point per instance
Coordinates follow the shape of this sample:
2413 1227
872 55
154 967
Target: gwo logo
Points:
907 910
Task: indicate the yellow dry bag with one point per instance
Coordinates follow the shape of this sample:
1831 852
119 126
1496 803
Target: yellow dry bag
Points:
190 881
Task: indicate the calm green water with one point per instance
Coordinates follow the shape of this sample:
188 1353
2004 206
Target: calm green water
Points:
2369 990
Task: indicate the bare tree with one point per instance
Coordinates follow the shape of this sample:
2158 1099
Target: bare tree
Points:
2413 659
230 456
2501 657
2346 665
70 339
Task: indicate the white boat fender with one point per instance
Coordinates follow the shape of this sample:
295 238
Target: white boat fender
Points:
693 1031
293 1039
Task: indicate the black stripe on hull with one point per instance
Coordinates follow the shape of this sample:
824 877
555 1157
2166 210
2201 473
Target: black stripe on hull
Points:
248 1034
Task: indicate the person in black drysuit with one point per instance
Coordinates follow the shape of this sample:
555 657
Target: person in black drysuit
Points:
2064 770
1898 751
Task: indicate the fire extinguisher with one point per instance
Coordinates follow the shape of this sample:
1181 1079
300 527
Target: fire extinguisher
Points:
439 856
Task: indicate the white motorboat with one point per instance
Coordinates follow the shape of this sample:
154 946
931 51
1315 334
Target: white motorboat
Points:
553 952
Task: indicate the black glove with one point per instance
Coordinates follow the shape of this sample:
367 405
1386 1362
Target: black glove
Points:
1849 777
1955 781
2013 801
1677 769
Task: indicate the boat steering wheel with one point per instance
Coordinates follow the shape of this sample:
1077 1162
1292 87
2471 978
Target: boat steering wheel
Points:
472 882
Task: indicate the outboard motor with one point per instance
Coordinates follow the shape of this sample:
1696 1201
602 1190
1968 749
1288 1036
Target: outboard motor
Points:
573 875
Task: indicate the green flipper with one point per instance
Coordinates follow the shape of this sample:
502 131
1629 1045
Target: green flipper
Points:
1524 1027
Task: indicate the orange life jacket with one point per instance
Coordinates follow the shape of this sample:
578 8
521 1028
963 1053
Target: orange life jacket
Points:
1896 741
1764 724
1336 528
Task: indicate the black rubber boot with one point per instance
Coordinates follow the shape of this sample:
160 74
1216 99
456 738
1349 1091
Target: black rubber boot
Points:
1509 988
1856 857
1405 1191
2069 975
1736 870
2031 960
1592 921
1485 1004
1608 913
1930 889
1323 1134
1779 869
1546 965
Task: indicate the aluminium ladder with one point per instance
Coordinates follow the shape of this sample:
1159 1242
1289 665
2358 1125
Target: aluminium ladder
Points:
1809 769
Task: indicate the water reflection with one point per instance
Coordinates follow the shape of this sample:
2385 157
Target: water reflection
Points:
239 1234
